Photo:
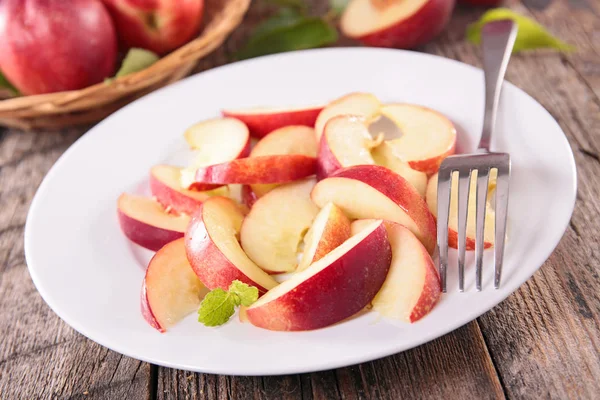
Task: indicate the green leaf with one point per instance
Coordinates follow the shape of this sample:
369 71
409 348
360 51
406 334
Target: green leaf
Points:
216 308
219 305
6 87
531 35
338 6
136 60
243 293
306 33
284 18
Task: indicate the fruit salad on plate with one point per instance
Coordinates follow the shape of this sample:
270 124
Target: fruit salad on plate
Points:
298 217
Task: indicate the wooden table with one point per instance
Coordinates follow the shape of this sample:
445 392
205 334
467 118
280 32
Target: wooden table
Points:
542 342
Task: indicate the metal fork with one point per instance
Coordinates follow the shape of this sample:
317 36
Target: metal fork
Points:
498 39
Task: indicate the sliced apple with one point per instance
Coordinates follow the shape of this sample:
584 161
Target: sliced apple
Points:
403 24
412 286
384 156
330 229
427 136
490 216
213 249
171 290
276 224
293 139
371 191
145 222
363 105
334 288
263 121
347 142
215 141
165 186
263 169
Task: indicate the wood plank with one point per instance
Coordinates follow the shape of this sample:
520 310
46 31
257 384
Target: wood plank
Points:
545 338
454 366
40 356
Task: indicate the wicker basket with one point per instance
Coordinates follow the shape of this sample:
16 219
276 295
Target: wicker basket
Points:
78 107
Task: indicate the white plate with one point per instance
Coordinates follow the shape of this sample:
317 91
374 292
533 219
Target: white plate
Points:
90 275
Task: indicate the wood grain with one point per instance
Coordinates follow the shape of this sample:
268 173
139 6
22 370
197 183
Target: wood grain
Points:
542 342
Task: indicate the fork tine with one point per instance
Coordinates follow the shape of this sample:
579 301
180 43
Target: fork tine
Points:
464 182
443 198
482 189
501 214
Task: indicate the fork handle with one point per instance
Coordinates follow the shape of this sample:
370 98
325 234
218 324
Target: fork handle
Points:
498 39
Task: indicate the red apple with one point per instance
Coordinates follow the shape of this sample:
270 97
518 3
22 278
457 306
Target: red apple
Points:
412 286
214 141
55 45
156 25
248 196
371 191
166 188
145 222
402 24
213 249
171 290
263 121
263 169
329 230
330 290
273 230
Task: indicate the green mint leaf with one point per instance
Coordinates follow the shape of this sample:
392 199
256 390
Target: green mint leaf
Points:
284 18
306 33
216 308
299 5
6 88
531 35
136 60
244 294
338 6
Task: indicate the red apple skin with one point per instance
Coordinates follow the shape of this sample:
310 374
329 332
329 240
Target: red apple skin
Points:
147 312
390 184
262 169
339 291
148 236
248 196
418 29
175 22
261 125
327 161
208 262
55 45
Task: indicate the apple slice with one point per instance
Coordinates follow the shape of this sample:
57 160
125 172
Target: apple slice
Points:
347 142
213 249
490 216
334 288
273 230
287 140
412 286
371 191
427 136
403 24
171 290
330 229
248 196
263 121
145 222
263 169
384 156
363 105
215 141
165 186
